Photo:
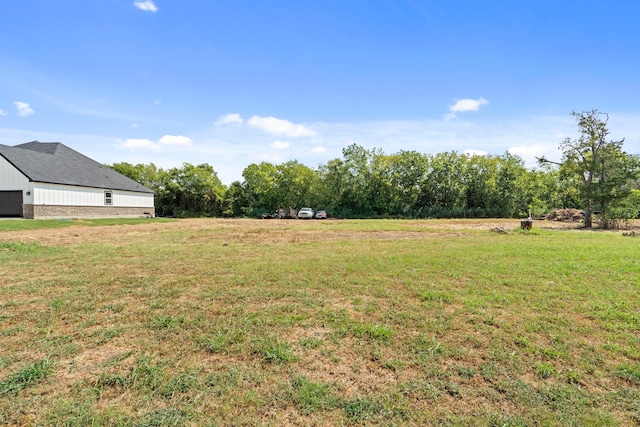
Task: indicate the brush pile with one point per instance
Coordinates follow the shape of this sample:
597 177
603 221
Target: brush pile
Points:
565 215
499 230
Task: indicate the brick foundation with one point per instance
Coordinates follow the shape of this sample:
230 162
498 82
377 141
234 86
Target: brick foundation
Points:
44 211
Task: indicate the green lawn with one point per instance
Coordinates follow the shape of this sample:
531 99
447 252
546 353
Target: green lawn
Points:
17 224
250 322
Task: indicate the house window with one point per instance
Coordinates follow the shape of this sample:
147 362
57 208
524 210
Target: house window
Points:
108 198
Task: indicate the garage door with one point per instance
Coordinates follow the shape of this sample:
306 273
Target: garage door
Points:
10 203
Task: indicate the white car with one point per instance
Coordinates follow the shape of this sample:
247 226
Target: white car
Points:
305 213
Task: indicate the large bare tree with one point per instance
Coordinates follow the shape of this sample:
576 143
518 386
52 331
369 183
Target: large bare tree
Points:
603 170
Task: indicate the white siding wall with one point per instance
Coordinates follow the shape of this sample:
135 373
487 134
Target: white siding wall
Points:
65 195
11 178
129 199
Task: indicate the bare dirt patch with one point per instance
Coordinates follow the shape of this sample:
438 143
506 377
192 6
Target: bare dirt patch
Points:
91 362
260 231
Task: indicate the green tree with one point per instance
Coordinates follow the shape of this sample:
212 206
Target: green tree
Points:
344 183
511 186
443 186
260 185
128 170
604 172
480 183
334 184
543 191
146 175
357 173
407 172
236 201
186 191
382 188
295 185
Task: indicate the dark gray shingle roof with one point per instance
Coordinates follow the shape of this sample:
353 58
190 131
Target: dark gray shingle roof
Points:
55 163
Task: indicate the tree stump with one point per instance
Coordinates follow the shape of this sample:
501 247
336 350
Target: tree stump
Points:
526 224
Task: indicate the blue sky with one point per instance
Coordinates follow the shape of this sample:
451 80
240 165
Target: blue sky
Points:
235 82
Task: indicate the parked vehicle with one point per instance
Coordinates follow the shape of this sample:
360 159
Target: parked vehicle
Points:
305 213
321 215
273 215
287 213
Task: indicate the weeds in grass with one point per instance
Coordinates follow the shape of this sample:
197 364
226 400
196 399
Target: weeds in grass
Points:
166 322
147 376
180 384
501 420
111 380
26 377
9 332
70 413
419 390
57 303
523 342
489 320
464 371
629 372
361 409
311 396
221 341
273 350
116 307
436 296
163 417
108 334
19 247
311 342
6 360
490 371
375 332
394 364
339 317
427 349
233 378
545 370
573 377
550 353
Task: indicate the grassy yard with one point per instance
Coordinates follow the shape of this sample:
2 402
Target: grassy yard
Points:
274 322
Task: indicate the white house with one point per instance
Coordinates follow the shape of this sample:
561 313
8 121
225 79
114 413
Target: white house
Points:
50 180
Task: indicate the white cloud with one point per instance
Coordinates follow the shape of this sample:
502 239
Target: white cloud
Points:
463 105
279 127
3 113
23 109
146 5
140 144
319 150
531 152
269 157
175 140
280 145
229 119
167 141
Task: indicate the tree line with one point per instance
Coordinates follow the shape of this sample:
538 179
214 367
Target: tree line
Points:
595 175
